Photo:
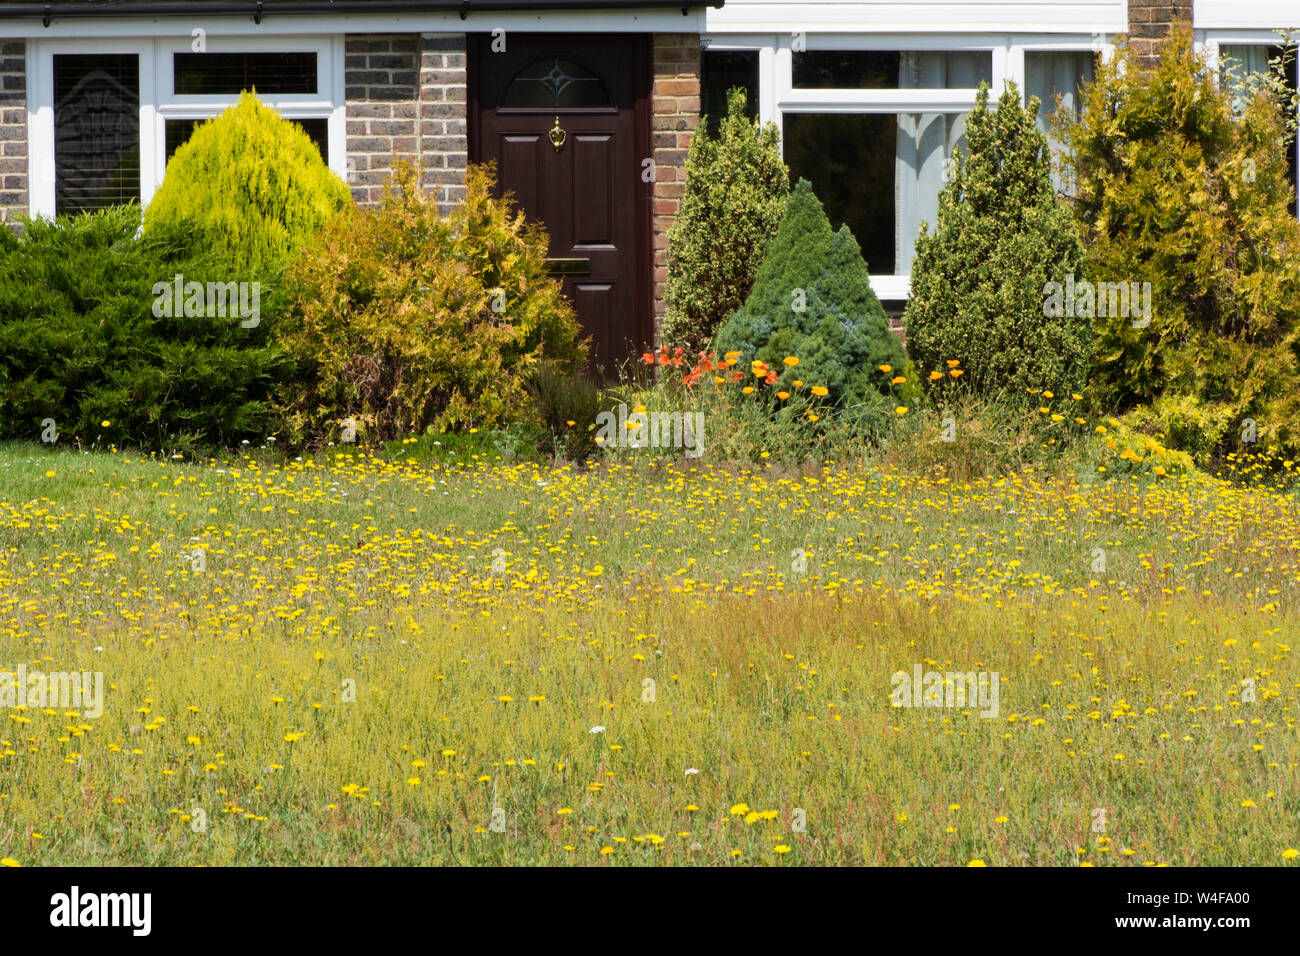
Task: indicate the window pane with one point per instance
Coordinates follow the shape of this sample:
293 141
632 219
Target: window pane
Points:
267 73
878 173
1049 74
1244 60
552 82
176 132
96 131
891 69
721 71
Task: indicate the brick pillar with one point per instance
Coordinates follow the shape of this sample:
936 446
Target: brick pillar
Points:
13 128
444 132
675 107
1150 21
381 90
406 99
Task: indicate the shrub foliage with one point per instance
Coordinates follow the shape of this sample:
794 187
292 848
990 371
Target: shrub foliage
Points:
736 189
405 321
978 282
252 183
812 300
1178 187
80 343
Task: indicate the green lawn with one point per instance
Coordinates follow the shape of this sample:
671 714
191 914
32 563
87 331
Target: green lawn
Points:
356 659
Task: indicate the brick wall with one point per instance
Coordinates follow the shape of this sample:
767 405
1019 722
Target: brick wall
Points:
675 109
444 132
13 128
405 99
1149 21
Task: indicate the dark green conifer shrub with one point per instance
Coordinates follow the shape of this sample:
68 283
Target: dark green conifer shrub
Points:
979 281
736 189
82 343
812 300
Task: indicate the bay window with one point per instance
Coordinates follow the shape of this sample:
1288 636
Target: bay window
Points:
874 121
874 128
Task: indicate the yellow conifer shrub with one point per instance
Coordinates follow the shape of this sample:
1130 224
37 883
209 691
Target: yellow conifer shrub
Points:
250 183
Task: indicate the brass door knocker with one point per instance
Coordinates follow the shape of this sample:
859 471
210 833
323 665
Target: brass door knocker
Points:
558 136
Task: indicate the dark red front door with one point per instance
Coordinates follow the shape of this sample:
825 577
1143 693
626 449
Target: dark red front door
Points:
565 119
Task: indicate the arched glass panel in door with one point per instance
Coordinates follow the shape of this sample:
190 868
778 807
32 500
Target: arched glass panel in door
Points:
555 83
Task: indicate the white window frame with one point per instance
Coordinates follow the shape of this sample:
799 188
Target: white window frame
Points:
159 102
777 95
40 112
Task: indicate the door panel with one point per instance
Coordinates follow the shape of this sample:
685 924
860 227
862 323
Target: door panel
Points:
593 175
519 165
588 192
595 303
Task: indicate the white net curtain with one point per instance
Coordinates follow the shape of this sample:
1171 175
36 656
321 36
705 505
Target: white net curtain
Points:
927 140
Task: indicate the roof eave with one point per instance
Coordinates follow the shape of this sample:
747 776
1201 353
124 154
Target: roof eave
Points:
260 9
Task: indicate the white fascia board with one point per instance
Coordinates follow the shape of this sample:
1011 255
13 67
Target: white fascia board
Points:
1263 35
556 21
918 16
1252 14
905 41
